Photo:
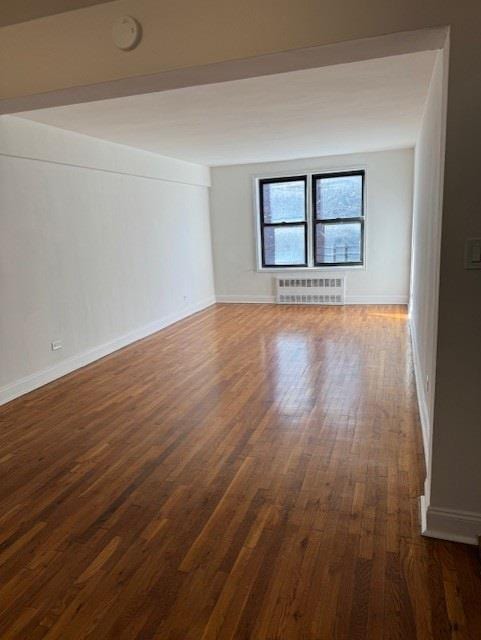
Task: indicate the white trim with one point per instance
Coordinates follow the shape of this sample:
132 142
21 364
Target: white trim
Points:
313 169
264 299
377 299
280 270
248 299
450 524
40 378
421 395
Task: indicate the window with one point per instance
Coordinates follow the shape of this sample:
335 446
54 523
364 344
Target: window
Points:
283 218
332 235
338 218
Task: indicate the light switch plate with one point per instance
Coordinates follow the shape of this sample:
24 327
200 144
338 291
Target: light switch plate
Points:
473 253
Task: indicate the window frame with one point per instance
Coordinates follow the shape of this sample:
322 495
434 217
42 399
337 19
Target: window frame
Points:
308 173
336 221
263 224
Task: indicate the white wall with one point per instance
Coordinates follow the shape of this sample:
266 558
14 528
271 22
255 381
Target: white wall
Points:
385 279
100 245
426 244
446 328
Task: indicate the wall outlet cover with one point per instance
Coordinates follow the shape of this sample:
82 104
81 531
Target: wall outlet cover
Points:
473 253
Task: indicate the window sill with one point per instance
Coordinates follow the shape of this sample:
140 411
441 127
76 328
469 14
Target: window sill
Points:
360 267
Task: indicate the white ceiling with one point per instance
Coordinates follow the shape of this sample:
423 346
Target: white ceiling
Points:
346 108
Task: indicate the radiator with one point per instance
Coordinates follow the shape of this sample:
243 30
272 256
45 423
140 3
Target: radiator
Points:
310 290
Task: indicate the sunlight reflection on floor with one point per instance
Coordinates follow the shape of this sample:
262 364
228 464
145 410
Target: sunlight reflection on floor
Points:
395 316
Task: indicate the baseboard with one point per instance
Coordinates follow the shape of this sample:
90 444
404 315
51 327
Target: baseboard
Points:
377 299
40 378
450 524
264 299
421 395
248 299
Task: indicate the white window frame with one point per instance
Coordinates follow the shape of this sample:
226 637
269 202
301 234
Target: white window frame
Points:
255 179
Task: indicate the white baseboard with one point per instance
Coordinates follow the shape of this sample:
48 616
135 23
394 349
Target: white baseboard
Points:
445 524
40 378
450 524
248 299
264 299
377 299
421 396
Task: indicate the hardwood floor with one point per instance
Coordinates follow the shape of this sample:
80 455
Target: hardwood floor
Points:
252 472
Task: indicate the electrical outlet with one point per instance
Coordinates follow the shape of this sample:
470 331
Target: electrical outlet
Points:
472 256
56 344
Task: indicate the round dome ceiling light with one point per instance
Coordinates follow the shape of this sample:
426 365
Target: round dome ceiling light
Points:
126 33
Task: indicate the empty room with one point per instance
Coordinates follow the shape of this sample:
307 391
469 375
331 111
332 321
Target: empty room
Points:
240 261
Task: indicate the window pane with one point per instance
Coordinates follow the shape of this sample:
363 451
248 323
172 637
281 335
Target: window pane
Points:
284 245
338 243
284 201
339 197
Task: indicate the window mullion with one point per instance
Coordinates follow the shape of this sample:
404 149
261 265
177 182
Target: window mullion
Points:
309 225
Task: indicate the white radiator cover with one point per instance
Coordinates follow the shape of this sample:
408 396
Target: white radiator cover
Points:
315 290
